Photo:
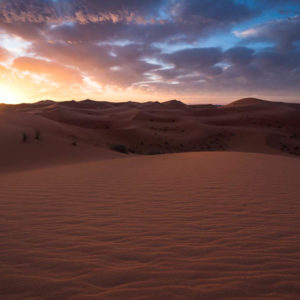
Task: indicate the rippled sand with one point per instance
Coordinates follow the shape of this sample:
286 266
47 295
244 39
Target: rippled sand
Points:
182 226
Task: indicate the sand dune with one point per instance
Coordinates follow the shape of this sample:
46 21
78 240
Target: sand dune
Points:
54 146
178 226
246 125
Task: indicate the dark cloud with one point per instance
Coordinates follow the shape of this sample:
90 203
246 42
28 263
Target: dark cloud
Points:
147 21
278 3
238 68
167 32
191 64
27 31
195 58
210 11
81 11
85 11
273 61
284 32
268 71
239 55
144 7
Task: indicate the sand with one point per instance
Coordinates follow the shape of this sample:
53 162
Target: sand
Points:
215 216
207 225
246 125
54 146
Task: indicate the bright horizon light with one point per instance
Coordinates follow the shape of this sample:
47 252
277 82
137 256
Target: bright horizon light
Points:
9 95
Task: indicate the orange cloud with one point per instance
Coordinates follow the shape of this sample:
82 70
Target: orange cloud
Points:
4 54
53 71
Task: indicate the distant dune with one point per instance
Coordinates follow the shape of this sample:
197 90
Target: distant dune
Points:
250 101
94 128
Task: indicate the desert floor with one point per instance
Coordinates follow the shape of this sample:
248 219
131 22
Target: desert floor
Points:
207 225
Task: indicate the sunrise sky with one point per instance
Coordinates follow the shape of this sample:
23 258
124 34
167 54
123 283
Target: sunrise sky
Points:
118 50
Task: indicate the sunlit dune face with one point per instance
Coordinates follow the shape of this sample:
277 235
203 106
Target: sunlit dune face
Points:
8 95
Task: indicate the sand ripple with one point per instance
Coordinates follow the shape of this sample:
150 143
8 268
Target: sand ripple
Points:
184 226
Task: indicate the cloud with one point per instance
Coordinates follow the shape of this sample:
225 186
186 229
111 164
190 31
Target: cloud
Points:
195 58
236 69
210 11
4 54
90 11
53 71
239 55
284 32
106 64
196 63
80 11
147 21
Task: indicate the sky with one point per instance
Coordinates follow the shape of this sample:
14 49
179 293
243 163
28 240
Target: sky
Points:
197 51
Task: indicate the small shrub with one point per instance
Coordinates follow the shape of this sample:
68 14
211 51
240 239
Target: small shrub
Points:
153 153
119 148
24 137
37 135
131 150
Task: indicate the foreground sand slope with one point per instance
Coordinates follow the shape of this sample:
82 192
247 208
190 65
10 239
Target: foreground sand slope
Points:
180 226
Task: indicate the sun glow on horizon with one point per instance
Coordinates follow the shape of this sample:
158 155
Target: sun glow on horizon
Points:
9 95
